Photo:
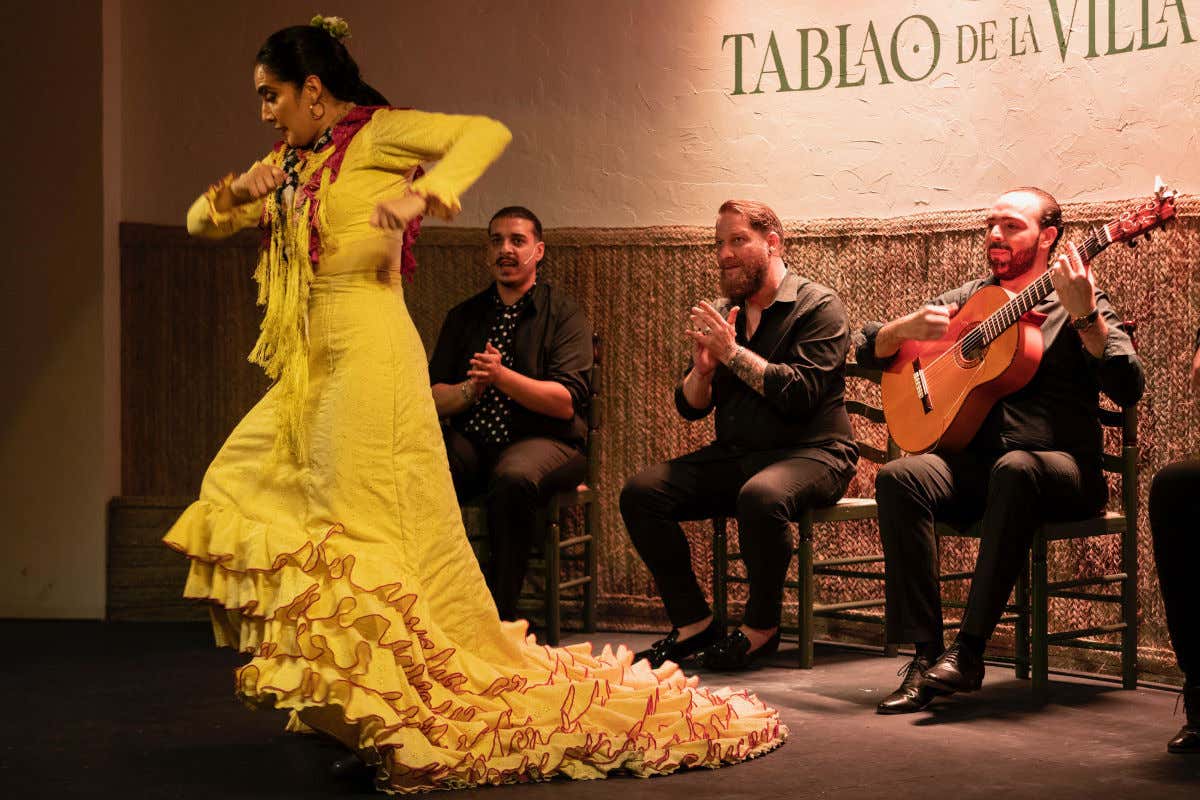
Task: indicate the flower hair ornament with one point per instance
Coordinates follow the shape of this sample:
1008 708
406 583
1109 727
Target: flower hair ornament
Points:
337 27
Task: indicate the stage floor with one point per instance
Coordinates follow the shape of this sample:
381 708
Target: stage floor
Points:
146 711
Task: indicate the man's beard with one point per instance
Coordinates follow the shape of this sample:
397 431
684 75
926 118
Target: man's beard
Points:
1018 262
742 281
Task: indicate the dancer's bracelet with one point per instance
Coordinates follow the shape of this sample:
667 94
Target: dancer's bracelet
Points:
468 392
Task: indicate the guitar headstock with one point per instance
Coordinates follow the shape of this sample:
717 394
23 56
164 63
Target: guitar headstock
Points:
1144 218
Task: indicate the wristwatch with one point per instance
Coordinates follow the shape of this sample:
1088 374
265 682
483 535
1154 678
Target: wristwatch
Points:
1086 321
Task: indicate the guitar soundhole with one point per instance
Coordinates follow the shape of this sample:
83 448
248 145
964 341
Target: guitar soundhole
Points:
967 356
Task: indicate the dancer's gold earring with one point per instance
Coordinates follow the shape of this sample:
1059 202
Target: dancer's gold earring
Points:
313 112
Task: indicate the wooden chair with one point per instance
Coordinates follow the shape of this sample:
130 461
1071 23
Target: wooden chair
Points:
848 509
554 550
1030 610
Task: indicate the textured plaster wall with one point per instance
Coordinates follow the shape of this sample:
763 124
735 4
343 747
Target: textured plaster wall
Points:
623 114
52 424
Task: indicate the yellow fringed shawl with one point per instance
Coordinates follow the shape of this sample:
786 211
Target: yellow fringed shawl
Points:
284 275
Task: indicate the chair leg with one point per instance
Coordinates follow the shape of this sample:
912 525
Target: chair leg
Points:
1021 639
1039 611
720 568
591 528
553 552
805 610
1129 604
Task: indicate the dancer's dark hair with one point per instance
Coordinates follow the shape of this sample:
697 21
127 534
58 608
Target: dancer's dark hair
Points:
294 53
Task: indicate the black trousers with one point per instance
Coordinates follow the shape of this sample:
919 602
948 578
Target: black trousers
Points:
763 490
1175 525
515 479
1010 493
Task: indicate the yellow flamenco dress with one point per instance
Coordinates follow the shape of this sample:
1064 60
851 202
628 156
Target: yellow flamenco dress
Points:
328 540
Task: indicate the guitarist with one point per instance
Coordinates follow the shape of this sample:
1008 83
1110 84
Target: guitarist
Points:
1174 509
1036 457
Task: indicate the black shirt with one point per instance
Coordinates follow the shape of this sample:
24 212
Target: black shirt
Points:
804 337
1058 408
552 342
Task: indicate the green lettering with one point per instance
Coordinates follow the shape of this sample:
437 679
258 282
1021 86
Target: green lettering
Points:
874 48
1112 33
1064 37
1178 5
843 83
937 48
985 39
1146 43
819 55
737 58
1092 53
974 43
773 54
1029 32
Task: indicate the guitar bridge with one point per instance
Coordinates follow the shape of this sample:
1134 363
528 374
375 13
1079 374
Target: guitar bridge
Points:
922 385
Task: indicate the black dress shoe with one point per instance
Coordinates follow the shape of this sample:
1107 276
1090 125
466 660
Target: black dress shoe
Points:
957 670
671 649
913 694
1187 741
733 652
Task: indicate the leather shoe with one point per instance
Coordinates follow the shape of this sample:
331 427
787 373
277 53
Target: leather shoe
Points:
956 670
1187 741
733 652
670 648
913 694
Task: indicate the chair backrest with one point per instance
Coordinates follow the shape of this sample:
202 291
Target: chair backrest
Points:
592 445
1124 463
872 413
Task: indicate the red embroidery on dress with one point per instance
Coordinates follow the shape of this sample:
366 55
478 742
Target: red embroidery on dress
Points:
341 135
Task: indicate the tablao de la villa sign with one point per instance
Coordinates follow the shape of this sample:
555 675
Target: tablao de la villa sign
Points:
813 58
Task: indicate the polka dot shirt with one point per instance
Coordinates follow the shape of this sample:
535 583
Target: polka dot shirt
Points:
490 419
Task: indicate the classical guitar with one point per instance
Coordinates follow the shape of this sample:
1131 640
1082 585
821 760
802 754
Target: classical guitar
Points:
937 393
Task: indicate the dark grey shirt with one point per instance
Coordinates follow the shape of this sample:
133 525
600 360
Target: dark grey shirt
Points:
1058 408
804 337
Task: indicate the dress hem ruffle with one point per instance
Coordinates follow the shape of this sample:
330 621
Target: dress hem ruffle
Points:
360 664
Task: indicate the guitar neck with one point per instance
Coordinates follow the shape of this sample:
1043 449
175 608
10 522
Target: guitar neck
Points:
1007 315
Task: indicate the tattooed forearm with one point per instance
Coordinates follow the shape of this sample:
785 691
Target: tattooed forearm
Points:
750 367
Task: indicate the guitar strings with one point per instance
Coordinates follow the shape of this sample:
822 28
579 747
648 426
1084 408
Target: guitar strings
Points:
975 337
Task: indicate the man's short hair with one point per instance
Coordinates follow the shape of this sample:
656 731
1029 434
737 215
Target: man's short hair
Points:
760 216
518 212
1051 215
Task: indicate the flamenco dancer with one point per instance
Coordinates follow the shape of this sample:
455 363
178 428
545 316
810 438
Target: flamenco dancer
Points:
327 537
